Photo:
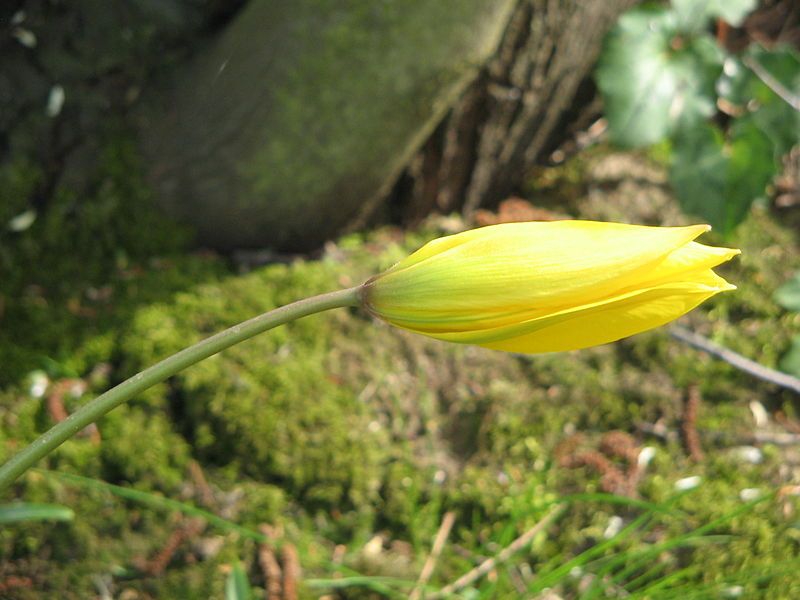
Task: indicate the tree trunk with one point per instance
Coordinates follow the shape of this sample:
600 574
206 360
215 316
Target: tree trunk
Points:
529 97
302 111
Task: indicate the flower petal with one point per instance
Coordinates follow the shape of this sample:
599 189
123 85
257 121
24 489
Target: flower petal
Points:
689 258
600 323
496 274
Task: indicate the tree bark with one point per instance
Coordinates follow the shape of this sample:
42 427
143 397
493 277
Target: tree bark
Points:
516 112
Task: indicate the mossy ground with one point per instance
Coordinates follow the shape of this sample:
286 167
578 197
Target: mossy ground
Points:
352 439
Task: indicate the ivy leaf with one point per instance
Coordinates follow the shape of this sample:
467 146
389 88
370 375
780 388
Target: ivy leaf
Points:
698 173
731 11
718 179
751 167
790 363
774 115
693 15
654 79
742 87
788 295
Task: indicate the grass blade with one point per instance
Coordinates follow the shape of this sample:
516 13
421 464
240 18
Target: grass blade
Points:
237 587
158 502
548 579
21 512
382 585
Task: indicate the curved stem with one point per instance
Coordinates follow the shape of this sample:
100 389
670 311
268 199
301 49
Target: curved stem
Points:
98 407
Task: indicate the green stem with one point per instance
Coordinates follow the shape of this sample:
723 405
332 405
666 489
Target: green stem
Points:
92 411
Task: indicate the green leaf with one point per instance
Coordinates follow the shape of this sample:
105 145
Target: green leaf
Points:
698 173
741 86
751 167
737 84
237 587
719 180
788 295
776 117
19 512
790 363
693 15
731 11
653 79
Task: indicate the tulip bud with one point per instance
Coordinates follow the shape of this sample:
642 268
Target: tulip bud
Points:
548 286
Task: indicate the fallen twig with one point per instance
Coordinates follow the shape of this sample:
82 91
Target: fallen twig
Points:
506 553
735 359
291 571
620 444
772 83
517 580
689 424
436 549
777 438
271 571
186 531
201 484
57 410
614 478
15 581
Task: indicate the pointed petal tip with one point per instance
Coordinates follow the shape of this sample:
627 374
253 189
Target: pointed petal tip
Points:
720 253
724 286
730 253
697 230
701 227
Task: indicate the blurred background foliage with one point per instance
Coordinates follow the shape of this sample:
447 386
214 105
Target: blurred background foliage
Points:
727 118
323 459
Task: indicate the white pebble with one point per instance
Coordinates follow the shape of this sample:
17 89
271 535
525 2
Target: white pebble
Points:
760 415
374 546
24 36
748 494
39 384
731 67
749 454
614 527
688 483
22 221
646 455
55 101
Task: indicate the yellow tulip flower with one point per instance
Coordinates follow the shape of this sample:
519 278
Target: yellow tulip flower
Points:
548 286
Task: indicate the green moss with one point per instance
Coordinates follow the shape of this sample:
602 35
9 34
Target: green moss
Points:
18 181
337 428
144 449
61 275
